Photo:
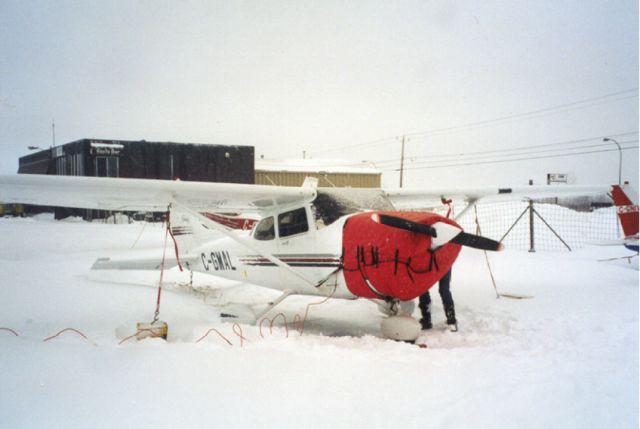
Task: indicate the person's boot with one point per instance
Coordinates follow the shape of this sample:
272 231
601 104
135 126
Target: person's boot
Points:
425 310
425 322
451 319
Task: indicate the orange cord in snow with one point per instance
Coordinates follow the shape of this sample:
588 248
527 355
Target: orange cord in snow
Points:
69 330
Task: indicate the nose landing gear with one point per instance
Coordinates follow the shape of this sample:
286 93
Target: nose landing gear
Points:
399 325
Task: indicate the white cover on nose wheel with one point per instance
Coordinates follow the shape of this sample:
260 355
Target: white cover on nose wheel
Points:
401 328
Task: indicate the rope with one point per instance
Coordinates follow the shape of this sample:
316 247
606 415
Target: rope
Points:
237 329
139 331
144 225
168 233
271 321
447 202
486 256
69 330
9 330
175 243
306 313
217 332
493 280
164 252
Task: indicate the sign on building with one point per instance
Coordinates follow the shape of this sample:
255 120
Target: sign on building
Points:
557 178
106 149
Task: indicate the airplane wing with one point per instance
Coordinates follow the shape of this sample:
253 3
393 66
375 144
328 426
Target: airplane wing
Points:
616 242
415 197
124 194
120 194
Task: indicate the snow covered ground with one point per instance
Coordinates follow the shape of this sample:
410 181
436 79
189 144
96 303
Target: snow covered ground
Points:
565 358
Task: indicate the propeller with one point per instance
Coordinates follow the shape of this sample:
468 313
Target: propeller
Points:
440 232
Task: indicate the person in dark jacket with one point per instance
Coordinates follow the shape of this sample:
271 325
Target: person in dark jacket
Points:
444 288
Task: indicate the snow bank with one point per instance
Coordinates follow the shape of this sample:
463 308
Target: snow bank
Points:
567 357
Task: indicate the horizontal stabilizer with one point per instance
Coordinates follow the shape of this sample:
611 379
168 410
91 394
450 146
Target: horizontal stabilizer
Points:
131 264
140 260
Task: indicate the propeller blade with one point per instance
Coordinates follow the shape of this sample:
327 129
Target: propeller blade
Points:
441 233
405 224
477 242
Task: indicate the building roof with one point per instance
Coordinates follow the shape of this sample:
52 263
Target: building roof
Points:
311 165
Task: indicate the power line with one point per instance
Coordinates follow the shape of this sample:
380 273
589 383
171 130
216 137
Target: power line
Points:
589 102
511 160
507 156
435 158
535 113
504 155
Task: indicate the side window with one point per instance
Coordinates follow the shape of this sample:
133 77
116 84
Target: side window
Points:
293 222
265 229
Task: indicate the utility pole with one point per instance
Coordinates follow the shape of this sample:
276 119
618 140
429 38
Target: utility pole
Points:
402 160
532 247
53 132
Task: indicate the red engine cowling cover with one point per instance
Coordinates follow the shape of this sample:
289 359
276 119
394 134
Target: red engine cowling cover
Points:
383 261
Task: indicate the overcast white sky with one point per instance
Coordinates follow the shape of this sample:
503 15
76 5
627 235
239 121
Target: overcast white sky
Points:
336 79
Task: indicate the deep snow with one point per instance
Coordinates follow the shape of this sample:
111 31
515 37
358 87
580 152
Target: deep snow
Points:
565 358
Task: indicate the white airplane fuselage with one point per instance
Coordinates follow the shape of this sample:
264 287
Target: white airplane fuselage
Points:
314 254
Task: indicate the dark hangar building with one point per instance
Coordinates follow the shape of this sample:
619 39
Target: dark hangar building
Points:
144 160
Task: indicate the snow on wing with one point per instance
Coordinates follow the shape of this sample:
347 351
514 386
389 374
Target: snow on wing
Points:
432 197
144 194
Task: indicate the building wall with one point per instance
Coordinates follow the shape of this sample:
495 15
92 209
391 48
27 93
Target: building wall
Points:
192 162
328 180
141 159
36 163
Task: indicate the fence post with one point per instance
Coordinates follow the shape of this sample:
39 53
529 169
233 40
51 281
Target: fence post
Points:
532 247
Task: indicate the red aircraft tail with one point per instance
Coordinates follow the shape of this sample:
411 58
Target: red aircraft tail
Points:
627 208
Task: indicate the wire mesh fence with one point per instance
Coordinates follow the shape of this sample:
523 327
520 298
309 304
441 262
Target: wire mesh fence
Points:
541 227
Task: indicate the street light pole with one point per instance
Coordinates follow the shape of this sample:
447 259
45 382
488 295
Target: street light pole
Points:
607 139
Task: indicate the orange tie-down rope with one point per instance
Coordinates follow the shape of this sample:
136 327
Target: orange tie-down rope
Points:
156 313
69 330
2 328
164 254
217 332
298 321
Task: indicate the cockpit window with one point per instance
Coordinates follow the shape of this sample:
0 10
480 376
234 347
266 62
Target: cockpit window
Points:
293 222
265 230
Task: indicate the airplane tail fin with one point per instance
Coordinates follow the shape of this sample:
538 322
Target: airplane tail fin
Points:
626 201
188 232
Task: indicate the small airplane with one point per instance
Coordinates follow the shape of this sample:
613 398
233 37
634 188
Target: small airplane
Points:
333 242
626 202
